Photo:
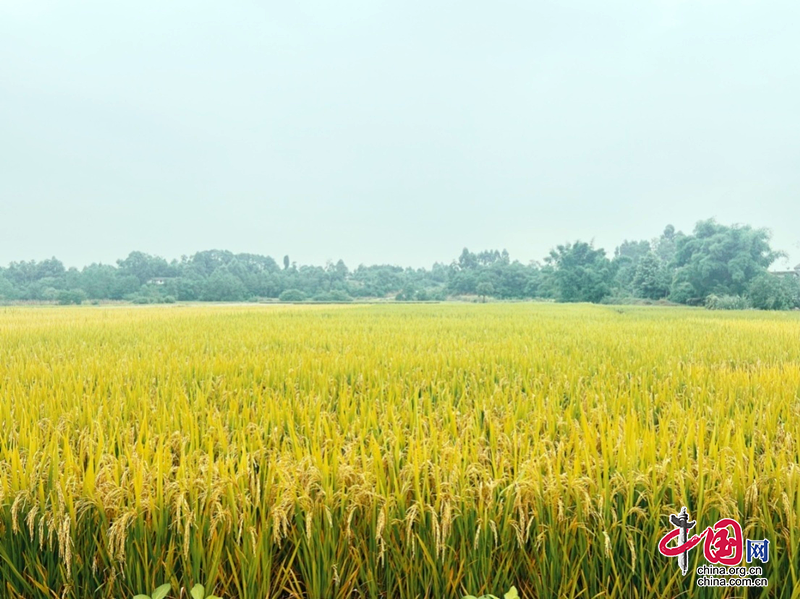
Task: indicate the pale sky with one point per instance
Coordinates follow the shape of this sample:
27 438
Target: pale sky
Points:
394 132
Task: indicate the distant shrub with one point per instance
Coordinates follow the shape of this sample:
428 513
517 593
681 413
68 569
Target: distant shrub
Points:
71 296
727 302
332 296
292 295
151 298
770 292
50 294
618 299
684 293
408 294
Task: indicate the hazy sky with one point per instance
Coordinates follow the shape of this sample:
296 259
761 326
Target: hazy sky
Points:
392 132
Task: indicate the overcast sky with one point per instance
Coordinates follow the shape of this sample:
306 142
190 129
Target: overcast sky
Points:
394 132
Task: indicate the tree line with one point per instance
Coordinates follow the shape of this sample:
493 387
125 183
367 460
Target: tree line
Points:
716 265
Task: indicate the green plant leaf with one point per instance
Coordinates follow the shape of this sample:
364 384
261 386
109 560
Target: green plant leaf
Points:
512 594
141 597
198 591
161 591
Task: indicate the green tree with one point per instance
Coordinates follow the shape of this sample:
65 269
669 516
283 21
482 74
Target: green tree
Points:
665 246
222 286
720 260
581 272
37 289
98 280
514 280
379 280
292 295
771 292
408 294
71 296
467 260
484 290
651 279
792 285
626 260
190 288
7 290
123 286
145 267
463 282
337 274
51 268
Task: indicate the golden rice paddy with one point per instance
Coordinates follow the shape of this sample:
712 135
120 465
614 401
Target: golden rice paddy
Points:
390 451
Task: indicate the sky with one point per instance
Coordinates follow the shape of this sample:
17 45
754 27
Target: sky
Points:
392 132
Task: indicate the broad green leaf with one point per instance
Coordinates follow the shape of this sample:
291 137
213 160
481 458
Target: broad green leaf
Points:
512 594
141 597
161 591
198 591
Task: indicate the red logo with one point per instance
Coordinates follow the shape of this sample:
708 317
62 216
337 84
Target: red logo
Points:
723 543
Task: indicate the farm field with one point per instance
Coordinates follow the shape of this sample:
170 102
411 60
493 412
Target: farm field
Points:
390 451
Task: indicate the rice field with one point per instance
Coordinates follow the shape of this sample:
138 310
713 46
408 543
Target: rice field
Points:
390 451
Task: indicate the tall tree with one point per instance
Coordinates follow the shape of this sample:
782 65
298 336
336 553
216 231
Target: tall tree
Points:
145 267
582 273
626 260
719 259
223 286
652 278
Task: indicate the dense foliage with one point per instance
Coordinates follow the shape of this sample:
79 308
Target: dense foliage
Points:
714 260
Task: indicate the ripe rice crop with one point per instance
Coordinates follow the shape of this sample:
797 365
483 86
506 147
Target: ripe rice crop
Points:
388 450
